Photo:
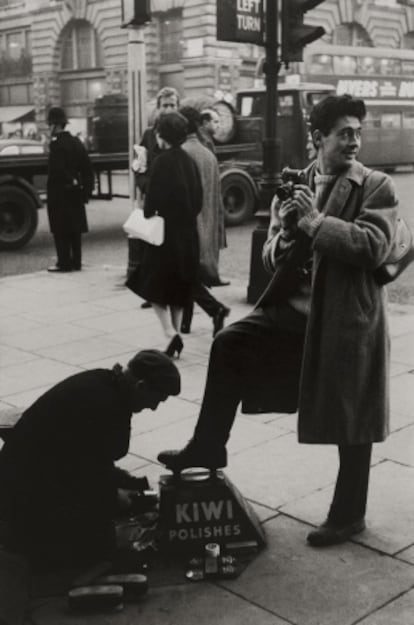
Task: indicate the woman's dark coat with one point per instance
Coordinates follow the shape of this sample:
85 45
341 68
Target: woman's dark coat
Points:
344 389
167 272
69 185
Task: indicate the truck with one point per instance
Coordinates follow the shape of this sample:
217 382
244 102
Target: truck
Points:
238 146
20 197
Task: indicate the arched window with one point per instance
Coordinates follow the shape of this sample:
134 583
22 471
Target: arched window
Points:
80 47
351 34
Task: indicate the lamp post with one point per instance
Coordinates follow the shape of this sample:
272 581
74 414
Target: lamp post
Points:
258 278
135 14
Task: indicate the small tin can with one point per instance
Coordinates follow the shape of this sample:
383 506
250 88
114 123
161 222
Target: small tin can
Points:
211 560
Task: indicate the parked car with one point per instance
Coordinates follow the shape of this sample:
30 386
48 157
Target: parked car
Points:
15 146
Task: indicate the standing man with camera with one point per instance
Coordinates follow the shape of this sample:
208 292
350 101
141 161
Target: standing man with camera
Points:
318 338
69 186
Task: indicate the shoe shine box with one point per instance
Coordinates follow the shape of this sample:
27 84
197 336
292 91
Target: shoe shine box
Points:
197 508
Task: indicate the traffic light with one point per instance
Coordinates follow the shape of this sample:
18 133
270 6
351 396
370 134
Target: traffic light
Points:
136 12
295 34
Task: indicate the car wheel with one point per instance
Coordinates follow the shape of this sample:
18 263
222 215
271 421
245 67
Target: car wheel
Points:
18 217
239 197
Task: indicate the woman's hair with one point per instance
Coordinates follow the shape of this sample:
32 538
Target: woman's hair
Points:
193 118
326 113
172 127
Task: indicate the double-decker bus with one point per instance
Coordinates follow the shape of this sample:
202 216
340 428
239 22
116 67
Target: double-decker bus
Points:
384 79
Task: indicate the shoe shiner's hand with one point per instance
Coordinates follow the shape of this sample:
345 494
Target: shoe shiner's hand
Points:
125 498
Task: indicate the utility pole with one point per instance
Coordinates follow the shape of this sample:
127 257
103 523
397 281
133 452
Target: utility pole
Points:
135 14
137 92
258 278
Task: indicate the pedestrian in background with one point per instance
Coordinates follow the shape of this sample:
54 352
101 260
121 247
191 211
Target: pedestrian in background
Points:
210 121
166 275
168 100
69 186
210 224
318 339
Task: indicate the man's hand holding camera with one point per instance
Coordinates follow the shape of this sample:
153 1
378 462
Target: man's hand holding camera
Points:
308 216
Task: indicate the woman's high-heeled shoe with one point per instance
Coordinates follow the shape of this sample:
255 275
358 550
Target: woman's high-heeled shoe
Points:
175 346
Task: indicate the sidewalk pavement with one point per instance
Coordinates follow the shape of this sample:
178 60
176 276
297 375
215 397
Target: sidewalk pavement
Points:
53 326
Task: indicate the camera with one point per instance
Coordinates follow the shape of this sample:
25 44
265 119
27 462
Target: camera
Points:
290 177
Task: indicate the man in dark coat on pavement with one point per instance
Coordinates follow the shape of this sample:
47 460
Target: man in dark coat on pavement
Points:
318 338
69 186
59 487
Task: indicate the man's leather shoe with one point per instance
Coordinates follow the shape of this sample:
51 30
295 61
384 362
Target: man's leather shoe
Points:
194 455
57 269
219 282
218 319
328 534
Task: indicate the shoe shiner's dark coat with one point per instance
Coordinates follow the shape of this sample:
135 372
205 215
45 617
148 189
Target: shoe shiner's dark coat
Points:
57 476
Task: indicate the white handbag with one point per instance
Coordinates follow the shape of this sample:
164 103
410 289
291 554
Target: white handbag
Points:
149 229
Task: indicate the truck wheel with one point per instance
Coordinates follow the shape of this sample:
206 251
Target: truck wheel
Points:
18 218
239 197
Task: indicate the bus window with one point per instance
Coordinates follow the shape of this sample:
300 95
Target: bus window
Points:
246 106
344 64
314 97
408 120
321 64
285 106
372 120
391 120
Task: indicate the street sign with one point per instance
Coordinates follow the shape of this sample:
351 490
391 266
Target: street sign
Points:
240 21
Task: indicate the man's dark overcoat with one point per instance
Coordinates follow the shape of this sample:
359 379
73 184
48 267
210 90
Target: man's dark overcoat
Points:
344 388
167 272
69 185
57 467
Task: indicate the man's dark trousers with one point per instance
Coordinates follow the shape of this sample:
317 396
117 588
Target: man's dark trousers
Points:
239 355
351 491
68 250
201 296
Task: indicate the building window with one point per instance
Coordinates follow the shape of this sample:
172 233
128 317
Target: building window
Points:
351 34
15 54
171 37
80 47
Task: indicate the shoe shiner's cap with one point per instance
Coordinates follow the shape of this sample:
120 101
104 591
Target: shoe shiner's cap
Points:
157 369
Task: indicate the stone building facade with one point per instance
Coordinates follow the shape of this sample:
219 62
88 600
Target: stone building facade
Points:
70 52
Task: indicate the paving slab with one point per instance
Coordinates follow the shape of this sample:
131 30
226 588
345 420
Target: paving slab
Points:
14 356
54 314
402 395
25 399
390 508
186 604
400 323
280 470
173 410
397 612
399 447
34 373
48 335
406 554
309 586
84 351
402 348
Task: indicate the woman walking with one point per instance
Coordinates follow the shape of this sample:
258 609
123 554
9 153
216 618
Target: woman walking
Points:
167 274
